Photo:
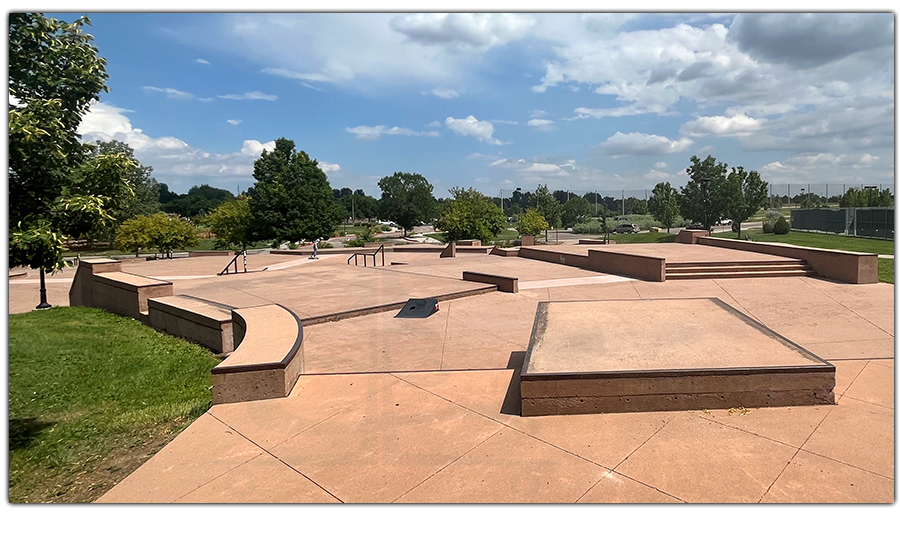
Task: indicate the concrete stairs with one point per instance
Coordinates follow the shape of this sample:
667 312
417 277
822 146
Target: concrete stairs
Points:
735 269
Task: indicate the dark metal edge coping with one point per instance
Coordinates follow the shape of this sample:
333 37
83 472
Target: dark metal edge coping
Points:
822 366
482 274
218 369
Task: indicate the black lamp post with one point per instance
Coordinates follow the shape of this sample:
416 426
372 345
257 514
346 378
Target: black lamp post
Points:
44 304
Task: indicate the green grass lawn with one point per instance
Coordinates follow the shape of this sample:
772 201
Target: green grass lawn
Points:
828 241
92 395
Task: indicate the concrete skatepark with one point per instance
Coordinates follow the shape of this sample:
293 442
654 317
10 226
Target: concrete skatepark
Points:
382 409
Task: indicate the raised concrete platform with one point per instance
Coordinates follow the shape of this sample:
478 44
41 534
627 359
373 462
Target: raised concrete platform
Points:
659 355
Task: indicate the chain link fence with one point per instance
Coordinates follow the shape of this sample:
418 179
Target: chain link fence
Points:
874 222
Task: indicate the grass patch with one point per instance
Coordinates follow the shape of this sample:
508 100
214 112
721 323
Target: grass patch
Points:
886 271
91 396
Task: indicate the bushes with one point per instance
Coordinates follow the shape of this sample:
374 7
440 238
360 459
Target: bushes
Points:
367 234
160 231
532 223
768 227
782 226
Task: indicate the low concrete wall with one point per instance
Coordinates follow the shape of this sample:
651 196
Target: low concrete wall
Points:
504 283
473 242
127 294
81 292
213 253
690 236
504 252
558 257
268 359
527 240
594 241
627 264
196 320
449 251
846 266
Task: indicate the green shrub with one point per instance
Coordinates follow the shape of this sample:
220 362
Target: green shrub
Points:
325 245
773 215
532 223
768 227
782 226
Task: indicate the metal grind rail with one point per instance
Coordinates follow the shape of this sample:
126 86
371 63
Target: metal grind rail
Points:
237 270
365 256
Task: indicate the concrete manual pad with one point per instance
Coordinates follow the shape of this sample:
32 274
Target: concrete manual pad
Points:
594 357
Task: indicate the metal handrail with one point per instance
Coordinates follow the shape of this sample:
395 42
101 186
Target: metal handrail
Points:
374 254
234 262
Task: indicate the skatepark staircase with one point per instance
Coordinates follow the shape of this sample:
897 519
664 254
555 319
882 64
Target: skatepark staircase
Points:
735 269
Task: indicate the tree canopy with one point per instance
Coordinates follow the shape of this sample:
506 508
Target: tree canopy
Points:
548 206
55 189
576 210
702 199
470 214
198 201
232 223
292 199
867 197
663 204
744 193
407 200
532 223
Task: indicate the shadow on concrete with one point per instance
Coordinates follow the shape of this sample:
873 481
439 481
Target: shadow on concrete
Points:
23 431
512 403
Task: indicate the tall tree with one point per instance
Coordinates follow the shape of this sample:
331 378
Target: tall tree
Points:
744 194
232 223
470 214
407 200
548 206
663 204
292 198
702 198
199 200
576 210
55 190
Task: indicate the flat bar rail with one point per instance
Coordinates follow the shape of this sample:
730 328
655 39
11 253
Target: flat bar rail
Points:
365 256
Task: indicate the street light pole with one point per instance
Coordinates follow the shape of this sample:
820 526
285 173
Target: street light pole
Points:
44 304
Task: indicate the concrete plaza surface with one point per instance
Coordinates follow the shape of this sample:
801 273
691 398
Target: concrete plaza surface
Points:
428 410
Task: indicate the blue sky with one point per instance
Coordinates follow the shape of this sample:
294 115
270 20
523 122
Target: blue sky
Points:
575 101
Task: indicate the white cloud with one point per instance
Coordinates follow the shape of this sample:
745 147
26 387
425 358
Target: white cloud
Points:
328 167
170 92
363 132
637 143
470 126
504 122
250 95
660 165
233 121
174 161
538 113
736 125
445 93
828 167
335 75
255 148
202 61
542 124
463 31
435 124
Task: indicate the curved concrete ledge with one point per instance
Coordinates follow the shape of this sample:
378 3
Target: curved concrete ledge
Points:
201 321
846 266
268 358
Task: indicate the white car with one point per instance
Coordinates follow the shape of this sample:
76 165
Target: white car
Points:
725 221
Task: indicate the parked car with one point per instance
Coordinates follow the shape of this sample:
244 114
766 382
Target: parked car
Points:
627 228
695 225
620 218
724 221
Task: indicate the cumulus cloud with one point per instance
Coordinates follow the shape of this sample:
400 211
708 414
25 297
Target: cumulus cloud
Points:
807 40
470 126
233 121
660 165
363 132
542 124
328 167
637 143
466 31
737 125
827 167
250 95
173 160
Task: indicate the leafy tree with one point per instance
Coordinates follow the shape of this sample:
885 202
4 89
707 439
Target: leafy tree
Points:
168 233
232 223
198 201
134 234
867 198
54 75
702 198
406 199
356 203
470 214
165 195
744 194
548 206
292 198
664 204
639 206
576 210
532 223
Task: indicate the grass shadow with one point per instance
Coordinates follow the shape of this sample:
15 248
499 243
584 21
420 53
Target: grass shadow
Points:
23 431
